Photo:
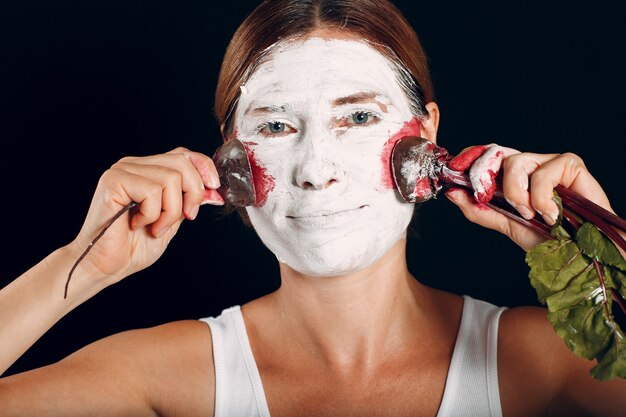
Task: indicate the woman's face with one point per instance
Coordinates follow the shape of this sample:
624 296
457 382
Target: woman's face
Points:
319 118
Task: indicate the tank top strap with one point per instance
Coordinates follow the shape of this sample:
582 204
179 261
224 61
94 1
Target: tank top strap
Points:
472 383
238 387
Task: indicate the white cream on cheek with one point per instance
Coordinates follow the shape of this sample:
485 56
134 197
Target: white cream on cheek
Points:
320 168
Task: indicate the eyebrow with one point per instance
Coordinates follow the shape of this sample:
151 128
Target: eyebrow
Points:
358 98
256 111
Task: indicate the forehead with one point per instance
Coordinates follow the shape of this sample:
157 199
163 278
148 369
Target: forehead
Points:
332 67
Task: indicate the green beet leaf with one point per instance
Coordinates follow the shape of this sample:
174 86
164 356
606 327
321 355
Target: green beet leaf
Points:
575 278
613 363
595 245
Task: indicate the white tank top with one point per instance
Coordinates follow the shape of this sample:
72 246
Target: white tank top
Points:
471 386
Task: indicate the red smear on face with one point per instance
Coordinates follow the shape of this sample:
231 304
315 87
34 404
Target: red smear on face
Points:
466 159
410 128
263 182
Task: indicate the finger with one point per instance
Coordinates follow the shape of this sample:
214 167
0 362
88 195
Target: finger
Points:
485 162
205 168
484 170
516 171
484 216
191 179
568 170
171 211
186 161
203 165
466 157
476 212
171 185
578 178
212 197
131 187
192 183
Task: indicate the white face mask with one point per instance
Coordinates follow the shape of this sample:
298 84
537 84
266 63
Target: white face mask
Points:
319 118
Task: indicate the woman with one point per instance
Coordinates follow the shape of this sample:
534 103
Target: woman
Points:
316 92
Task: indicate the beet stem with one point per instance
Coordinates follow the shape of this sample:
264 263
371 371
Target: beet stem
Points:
93 242
575 224
617 297
498 202
534 224
587 213
568 195
603 286
572 202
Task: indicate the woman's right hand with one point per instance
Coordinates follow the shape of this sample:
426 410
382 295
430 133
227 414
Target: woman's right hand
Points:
167 189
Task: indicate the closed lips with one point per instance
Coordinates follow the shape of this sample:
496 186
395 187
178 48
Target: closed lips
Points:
324 213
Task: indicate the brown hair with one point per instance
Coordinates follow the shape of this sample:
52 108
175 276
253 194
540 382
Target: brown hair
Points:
377 21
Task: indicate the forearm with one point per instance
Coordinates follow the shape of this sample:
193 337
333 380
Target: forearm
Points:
33 303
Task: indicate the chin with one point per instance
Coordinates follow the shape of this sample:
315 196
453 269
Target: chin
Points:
340 258
338 251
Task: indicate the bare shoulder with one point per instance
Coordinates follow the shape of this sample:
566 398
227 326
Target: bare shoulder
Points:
162 370
175 362
539 375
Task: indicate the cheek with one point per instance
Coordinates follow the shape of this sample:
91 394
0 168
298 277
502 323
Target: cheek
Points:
263 182
410 128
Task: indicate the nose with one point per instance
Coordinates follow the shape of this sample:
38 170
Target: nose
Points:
317 170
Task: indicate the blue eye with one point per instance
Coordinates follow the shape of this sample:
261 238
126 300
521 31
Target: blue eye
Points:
360 118
276 127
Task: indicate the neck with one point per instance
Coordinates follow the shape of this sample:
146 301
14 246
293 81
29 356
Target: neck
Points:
352 320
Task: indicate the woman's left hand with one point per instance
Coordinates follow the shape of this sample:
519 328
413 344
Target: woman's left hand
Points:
528 182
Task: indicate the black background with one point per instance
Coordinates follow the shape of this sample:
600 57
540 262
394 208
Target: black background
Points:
86 83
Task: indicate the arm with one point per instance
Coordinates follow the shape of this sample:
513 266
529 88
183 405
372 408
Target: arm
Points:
167 188
537 368
33 303
538 375
165 370
528 182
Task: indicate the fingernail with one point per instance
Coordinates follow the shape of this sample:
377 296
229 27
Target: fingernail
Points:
525 212
213 202
521 209
548 217
554 214
214 182
212 197
162 232
511 203
193 212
